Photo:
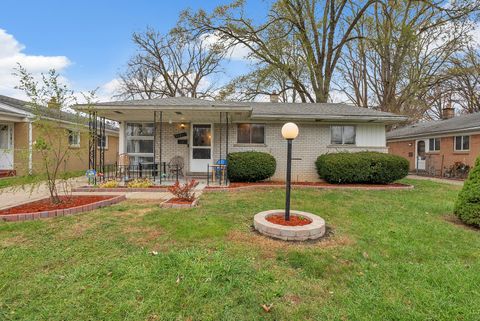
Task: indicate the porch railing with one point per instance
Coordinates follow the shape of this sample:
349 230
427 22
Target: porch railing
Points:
155 171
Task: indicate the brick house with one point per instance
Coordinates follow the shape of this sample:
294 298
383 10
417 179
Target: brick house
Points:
18 132
434 147
202 132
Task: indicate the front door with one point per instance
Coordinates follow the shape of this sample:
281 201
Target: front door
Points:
6 146
201 147
421 156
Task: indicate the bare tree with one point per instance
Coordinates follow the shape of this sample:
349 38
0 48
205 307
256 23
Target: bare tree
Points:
320 28
465 80
403 50
175 64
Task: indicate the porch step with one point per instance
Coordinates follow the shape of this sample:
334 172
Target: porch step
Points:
197 174
7 173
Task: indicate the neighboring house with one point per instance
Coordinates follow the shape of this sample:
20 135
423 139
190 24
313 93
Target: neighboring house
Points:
18 132
436 146
202 132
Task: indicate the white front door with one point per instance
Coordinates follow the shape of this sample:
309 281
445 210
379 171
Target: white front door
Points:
6 146
421 155
201 147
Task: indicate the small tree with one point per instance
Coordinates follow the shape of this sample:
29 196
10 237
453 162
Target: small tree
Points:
467 206
56 127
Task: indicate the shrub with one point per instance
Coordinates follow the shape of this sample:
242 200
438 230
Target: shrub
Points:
250 166
183 192
361 167
467 206
140 183
109 184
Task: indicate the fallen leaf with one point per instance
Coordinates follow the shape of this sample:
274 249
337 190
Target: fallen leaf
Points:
154 253
266 308
365 255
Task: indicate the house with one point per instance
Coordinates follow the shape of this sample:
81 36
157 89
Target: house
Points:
18 132
201 132
437 146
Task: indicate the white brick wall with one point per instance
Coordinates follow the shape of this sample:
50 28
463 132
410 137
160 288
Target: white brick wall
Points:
312 141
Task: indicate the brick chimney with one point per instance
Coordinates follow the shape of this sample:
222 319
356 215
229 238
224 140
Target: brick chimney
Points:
448 112
274 97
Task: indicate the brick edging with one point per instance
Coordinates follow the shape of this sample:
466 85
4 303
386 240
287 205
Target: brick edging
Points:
118 189
175 205
362 188
62 212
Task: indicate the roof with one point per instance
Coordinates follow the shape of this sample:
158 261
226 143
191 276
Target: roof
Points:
29 112
258 109
467 122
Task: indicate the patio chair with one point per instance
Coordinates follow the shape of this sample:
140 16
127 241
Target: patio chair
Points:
220 171
175 167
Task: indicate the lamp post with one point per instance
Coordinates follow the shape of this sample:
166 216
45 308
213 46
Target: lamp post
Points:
289 132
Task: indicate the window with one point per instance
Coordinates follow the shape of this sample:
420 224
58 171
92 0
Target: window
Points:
251 134
343 135
434 144
73 138
139 140
102 142
462 143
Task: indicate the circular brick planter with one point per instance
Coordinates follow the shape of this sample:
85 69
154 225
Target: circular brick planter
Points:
311 231
62 212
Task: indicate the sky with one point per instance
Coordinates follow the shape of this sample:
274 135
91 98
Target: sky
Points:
88 42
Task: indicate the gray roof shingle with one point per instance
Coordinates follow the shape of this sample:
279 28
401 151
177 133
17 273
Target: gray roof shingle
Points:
260 109
459 123
61 115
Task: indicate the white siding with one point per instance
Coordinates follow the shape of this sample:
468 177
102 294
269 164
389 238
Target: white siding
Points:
371 135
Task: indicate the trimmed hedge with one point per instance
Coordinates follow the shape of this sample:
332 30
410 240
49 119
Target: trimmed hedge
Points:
361 167
467 206
250 166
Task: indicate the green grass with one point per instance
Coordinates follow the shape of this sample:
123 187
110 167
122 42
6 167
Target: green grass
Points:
33 179
391 256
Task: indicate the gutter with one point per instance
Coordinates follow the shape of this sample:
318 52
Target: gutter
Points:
444 133
319 118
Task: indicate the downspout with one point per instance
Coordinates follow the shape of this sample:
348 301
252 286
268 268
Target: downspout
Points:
30 148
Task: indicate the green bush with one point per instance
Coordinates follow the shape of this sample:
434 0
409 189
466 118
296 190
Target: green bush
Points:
361 167
467 206
250 166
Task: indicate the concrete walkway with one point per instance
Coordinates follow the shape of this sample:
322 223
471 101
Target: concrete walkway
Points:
12 196
437 179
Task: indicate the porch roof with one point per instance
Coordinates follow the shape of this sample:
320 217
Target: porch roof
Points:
192 108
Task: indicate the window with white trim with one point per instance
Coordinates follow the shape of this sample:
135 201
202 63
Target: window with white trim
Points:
251 133
342 135
139 140
434 144
102 141
73 138
462 143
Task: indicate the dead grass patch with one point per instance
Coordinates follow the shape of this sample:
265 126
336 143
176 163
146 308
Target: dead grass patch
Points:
269 246
453 219
16 240
142 235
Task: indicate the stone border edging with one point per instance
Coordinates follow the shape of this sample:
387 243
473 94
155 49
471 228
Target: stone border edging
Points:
311 231
339 186
176 205
62 212
119 189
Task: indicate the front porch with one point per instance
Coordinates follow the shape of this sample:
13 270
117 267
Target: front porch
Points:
166 145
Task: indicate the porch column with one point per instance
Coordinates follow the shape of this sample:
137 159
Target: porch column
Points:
30 148
121 138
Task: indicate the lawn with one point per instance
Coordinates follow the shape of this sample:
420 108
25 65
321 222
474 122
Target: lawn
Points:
391 255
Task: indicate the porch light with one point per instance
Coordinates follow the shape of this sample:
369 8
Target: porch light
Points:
182 126
289 132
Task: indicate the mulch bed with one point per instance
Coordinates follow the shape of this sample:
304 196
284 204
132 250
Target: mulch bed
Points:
295 220
239 185
44 205
179 201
